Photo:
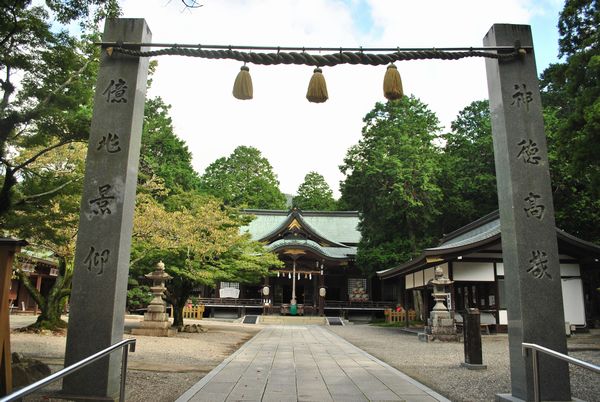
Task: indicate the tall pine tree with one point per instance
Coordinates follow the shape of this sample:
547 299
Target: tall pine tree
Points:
391 178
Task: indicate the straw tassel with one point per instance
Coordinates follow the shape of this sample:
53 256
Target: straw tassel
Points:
392 84
242 87
317 88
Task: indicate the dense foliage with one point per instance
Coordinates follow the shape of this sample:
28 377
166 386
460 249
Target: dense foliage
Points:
199 242
314 194
571 98
391 178
468 179
163 154
50 106
46 86
244 179
49 225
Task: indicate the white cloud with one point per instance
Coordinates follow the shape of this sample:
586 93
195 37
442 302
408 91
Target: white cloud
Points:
295 135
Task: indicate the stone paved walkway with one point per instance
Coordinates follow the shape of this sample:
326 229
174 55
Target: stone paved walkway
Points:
305 363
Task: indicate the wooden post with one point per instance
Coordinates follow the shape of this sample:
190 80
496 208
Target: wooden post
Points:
321 285
8 248
38 286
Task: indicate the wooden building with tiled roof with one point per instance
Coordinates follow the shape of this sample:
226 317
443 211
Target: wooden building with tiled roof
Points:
318 249
472 257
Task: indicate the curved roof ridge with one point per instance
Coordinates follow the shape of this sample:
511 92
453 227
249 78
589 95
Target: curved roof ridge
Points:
297 214
329 252
471 225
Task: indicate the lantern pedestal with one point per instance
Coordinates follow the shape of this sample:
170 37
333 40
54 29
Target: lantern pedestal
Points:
156 322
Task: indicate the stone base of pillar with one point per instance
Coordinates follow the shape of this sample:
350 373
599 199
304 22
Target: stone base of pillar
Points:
82 398
473 366
510 398
159 326
162 332
441 327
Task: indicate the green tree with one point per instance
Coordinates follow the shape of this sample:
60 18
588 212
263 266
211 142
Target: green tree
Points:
244 179
50 224
391 178
314 194
571 97
468 178
200 243
51 105
163 154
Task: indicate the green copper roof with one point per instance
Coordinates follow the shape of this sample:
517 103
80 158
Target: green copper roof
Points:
337 226
263 224
330 252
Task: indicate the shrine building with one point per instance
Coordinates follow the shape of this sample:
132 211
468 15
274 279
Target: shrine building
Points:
318 249
472 257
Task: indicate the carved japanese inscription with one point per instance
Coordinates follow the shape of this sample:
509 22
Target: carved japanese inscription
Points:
529 152
96 259
533 206
538 265
103 204
521 96
110 143
116 91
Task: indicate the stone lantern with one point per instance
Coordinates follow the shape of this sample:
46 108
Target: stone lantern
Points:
441 325
156 322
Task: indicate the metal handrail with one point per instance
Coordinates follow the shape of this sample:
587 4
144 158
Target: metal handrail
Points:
77 366
534 361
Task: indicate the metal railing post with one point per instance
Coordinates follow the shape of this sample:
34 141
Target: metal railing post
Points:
123 374
536 376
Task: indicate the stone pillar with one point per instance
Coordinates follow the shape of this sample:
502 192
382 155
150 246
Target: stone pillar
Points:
529 246
97 304
472 340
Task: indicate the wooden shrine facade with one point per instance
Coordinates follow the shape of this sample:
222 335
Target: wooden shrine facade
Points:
318 249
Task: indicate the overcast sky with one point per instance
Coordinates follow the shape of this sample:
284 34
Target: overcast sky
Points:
297 136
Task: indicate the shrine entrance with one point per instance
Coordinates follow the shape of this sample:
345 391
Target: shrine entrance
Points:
101 264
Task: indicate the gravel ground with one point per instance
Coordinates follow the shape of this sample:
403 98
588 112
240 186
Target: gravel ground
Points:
437 364
161 369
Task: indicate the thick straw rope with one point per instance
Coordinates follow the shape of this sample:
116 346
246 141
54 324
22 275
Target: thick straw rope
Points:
332 59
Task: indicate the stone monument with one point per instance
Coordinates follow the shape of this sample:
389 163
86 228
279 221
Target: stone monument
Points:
156 322
472 340
529 247
440 324
97 302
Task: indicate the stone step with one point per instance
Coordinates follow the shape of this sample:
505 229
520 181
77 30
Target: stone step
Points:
291 320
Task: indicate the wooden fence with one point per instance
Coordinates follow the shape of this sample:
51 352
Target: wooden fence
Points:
192 312
399 316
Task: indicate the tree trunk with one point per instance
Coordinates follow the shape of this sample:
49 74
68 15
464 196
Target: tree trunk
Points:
6 190
51 306
179 293
178 312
